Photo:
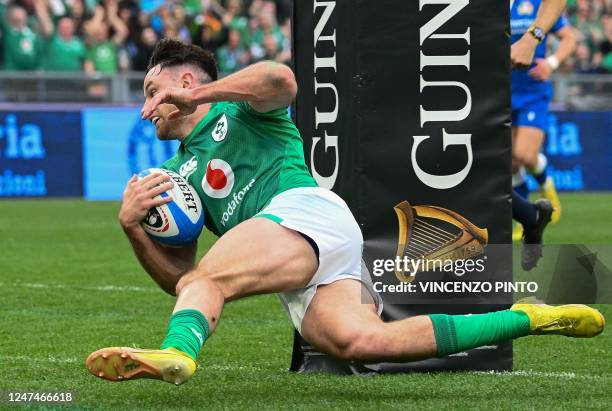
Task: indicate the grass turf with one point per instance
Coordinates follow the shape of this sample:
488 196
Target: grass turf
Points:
69 285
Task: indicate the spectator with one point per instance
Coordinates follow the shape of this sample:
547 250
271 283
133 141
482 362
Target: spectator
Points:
64 51
128 13
120 34
267 27
212 34
587 22
582 59
146 44
180 20
235 21
21 46
174 23
605 47
270 47
79 16
232 56
102 52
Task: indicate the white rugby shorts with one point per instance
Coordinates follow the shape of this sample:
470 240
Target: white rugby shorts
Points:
324 217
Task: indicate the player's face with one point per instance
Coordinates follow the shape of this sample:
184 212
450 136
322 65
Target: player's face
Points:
155 81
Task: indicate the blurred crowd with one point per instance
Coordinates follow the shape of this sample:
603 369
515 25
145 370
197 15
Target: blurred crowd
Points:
119 35
109 36
592 23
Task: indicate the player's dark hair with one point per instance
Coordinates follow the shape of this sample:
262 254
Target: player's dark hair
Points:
173 53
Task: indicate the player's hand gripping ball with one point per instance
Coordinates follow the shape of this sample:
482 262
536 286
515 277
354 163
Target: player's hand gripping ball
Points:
180 221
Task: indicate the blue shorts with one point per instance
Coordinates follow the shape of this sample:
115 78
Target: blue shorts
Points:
530 110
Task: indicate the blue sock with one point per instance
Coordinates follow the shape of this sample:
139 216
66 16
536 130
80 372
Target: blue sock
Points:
541 177
523 211
522 189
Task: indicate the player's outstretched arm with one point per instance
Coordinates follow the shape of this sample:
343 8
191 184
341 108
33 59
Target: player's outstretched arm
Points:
165 265
266 86
521 53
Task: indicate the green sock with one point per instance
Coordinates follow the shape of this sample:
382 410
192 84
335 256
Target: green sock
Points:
457 333
187 331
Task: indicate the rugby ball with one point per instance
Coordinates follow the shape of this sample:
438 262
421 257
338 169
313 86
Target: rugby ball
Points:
180 221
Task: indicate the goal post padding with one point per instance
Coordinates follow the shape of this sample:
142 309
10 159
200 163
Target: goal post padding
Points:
408 101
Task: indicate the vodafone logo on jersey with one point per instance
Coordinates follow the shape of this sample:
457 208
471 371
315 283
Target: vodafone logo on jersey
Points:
219 179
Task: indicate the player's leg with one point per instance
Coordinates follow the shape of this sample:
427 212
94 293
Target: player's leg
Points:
519 184
518 177
352 330
526 150
534 217
257 256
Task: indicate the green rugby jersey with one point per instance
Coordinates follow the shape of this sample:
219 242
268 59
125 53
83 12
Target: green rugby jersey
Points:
238 159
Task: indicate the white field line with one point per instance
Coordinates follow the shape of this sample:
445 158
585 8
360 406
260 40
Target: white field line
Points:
49 359
544 374
78 287
233 367
73 360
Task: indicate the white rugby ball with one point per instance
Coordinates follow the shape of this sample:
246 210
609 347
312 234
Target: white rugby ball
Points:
180 221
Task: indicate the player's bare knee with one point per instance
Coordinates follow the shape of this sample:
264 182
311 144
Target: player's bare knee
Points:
522 158
531 160
184 280
200 273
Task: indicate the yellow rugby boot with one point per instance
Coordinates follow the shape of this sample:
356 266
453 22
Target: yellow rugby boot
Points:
549 192
124 363
572 320
517 232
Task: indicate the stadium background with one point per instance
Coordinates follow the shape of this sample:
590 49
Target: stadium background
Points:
93 77
58 106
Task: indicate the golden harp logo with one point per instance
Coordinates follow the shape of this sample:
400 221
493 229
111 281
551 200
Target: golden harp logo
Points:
435 233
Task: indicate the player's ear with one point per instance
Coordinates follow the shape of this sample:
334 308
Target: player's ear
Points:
188 80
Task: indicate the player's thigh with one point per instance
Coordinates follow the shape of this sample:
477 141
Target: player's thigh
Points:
341 314
258 256
527 143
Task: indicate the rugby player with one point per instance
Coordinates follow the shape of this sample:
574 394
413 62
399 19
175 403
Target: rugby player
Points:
530 22
279 233
531 93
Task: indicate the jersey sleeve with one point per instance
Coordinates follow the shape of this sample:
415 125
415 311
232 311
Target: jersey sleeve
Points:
562 22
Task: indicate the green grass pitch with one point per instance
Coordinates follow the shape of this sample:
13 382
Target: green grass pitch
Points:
70 285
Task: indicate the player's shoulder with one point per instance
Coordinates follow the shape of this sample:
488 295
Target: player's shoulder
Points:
243 110
221 108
